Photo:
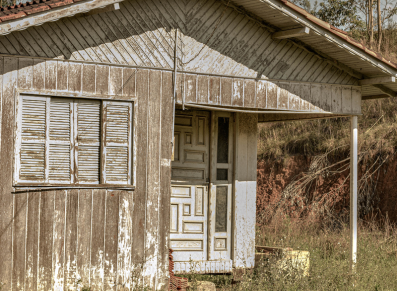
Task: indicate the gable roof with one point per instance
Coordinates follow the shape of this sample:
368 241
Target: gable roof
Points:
279 15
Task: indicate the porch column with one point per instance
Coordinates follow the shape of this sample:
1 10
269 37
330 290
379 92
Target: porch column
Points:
353 191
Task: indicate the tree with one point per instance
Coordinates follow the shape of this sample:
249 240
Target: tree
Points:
339 13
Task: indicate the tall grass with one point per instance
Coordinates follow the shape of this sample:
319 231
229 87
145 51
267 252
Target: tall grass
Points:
376 266
378 123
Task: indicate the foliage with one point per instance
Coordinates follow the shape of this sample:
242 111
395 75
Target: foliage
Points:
339 13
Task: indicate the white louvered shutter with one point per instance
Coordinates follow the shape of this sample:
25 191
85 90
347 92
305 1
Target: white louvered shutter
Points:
117 142
32 122
60 159
88 120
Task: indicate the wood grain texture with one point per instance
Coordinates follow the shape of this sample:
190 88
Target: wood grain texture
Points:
58 250
71 221
153 180
138 233
98 239
83 263
32 241
9 69
45 241
165 177
19 237
111 239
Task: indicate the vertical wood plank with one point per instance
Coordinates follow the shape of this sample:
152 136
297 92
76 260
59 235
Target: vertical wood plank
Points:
251 128
336 99
111 239
326 96
215 90
249 93
19 236
72 199
316 97
6 157
272 96
347 99
294 97
102 80
38 74
129 82
238 92
181 83
45 240
51 75
191 88
116 81
74 78
138 234
306 97
226 91
58 250
165 176
62 76
261 94
356 99
32 241
25 73
283 98
83 263
125 225
153 184
202 89
88 79
98 239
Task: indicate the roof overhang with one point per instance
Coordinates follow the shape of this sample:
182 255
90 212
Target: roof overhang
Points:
69 9
326 40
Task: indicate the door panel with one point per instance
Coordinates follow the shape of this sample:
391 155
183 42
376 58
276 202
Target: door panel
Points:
189 195
220 194
201 198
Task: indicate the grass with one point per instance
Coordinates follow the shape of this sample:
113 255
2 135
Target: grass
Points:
329 259
377 133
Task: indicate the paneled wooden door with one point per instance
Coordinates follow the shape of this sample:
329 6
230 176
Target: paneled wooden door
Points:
189 195
200 224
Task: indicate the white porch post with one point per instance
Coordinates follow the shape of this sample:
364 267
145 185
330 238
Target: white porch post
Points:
353 191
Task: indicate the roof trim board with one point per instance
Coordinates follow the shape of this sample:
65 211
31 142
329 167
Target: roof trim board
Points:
338 36
54 14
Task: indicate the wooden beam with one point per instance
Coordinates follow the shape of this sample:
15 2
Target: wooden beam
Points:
381 96
379 80
386 90
291 33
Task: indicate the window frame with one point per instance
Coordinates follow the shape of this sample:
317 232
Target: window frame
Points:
42 184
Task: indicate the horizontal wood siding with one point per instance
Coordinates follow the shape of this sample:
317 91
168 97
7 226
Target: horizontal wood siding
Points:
59 239
214 39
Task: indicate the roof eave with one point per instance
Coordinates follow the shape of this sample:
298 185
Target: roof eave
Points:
53 15
363 53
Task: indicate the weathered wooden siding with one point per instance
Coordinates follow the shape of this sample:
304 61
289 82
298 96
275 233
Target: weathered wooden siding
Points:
51 239
245 190
260 94
141 34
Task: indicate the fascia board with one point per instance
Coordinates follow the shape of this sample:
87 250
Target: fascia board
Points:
275 4
55 14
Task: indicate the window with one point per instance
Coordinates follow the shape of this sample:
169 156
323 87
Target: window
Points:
73 141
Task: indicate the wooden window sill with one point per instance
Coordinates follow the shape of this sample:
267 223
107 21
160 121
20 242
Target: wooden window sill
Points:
39 188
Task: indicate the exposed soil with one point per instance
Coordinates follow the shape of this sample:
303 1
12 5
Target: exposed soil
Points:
273 177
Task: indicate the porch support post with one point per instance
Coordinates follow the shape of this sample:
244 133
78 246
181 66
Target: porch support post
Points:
353 191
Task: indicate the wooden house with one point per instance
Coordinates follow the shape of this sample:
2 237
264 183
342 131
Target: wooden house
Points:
129 127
